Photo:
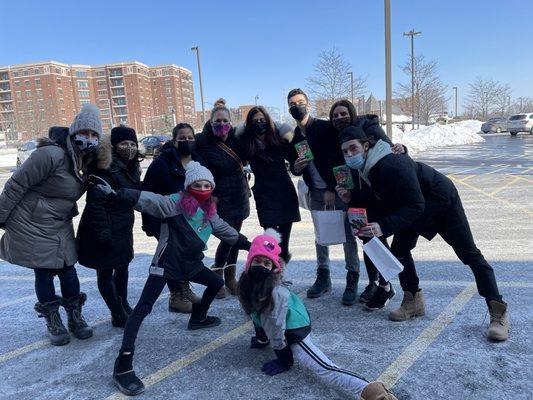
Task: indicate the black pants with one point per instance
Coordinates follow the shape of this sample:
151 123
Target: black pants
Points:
112 284
285 232
455 230
227 254
151 292
44 283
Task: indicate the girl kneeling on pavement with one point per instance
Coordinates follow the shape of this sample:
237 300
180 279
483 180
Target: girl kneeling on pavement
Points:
36 210
188 220
417 200
110 224
281 319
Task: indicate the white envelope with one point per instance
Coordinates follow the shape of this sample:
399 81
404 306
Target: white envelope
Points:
383 259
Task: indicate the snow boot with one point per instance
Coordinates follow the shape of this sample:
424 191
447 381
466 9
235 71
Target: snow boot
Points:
322 284
56 330
76 324
229 279
377 391
412 306
189 294
124 376
499 321
200 320
178 303
350 292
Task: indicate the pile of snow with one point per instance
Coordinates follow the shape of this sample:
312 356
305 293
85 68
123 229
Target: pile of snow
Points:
463 132
396 118
8 157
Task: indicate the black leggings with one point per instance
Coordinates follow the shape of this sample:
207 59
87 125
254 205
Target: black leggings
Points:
285 232
113 283
226 253
151 292
44 283
173 285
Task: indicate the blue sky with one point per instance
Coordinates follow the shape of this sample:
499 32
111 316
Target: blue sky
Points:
266 48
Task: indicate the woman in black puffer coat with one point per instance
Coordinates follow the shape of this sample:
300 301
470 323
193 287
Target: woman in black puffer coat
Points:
266 147
218 147
105 233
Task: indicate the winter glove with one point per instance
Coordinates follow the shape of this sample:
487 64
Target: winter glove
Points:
102 185
281 364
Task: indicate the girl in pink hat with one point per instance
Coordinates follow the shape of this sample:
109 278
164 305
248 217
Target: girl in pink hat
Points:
281 320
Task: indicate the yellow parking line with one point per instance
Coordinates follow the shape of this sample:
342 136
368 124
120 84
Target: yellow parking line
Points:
507 185
525 210
524 179
414 350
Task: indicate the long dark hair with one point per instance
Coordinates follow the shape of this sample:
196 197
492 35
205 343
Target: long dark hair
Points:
344 103
271 137
255 295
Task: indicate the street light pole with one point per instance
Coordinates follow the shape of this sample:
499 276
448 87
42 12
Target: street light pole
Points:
197 50
455 89
388 73
412 33
351 84
256 98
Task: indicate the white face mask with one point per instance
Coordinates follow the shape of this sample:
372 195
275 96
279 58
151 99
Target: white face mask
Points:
85 144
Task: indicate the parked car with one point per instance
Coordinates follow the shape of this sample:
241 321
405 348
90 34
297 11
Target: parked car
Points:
24 151
150 145
497 124
521 123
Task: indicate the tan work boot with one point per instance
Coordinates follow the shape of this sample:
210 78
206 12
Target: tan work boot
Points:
220 272
229 279
178 303
377 391
189 294
499 321
410 307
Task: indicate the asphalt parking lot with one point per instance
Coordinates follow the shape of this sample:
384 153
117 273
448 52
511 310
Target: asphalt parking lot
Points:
443 355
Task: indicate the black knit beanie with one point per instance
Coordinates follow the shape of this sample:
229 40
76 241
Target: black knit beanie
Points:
351 133
120 133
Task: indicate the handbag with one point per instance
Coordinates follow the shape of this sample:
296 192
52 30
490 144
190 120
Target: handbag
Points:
387 265
329 226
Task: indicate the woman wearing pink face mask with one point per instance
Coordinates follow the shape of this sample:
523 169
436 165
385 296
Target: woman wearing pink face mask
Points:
217 145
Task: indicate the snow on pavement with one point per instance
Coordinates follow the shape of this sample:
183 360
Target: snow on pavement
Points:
427 137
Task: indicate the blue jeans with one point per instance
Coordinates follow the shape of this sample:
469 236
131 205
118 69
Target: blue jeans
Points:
44 283
351 257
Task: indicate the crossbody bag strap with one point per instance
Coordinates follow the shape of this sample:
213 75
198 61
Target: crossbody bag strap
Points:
232 154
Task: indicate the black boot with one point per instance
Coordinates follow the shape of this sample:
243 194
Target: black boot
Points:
349 296
200 320
124 376
56 330
76 323
369 291
321 285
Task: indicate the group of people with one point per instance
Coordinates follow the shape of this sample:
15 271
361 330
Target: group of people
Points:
198 187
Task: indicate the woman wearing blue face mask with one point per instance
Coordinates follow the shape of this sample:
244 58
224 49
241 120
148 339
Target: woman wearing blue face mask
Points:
218 147
417 200
36 210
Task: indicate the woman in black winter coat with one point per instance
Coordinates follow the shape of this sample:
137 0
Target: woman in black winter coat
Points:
218 147
417 200
166 175
265 147
105 233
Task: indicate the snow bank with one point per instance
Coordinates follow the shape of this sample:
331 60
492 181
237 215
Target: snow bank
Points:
427 137
8 157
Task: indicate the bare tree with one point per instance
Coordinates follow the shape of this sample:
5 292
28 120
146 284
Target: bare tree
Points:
330 81
487 97
430 92
521 105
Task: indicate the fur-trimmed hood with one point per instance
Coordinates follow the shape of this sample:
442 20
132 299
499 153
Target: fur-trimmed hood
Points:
104 153
284 130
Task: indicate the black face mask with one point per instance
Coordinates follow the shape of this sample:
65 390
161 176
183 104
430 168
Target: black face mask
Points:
298 111
259 273
340 123
186 147
259 128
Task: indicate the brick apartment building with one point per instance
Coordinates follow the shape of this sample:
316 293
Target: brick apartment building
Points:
36 96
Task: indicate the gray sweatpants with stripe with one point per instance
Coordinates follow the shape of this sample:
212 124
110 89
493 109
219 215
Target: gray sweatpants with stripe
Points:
311 358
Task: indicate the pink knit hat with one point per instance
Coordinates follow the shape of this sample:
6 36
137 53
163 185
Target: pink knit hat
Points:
266 245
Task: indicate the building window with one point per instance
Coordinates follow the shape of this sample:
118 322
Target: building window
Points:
82 102
83 84
101 84
81 74
57 70
100 73
60 91
26 72
118 91
58 80
27 83
121 111
16 73
37 82
17 83
168 90
39 92
28 93
117 82
115 72
121 101
102 93
83 93
36 71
